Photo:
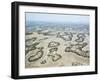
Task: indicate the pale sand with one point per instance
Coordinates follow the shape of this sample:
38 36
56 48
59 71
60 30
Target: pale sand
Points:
66 59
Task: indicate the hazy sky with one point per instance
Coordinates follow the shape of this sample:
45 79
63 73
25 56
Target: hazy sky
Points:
56 17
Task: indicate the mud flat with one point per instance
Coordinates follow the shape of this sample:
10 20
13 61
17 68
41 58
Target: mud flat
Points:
51 48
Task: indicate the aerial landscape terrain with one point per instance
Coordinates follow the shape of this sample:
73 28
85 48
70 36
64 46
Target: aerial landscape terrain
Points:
56 42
